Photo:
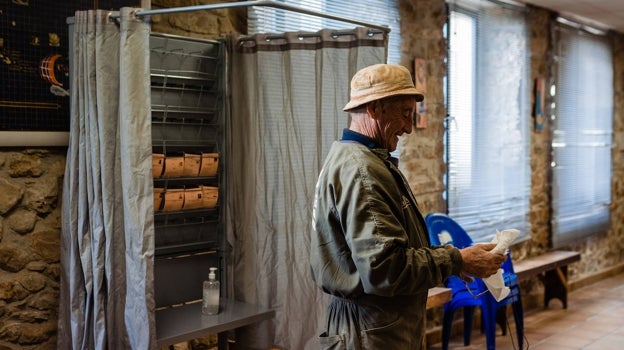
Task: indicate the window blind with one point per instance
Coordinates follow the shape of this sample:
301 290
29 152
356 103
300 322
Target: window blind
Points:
582 135
382 12
488 130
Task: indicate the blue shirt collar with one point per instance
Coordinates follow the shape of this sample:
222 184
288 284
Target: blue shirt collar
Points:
350 135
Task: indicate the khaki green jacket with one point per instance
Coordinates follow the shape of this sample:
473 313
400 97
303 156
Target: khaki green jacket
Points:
370 250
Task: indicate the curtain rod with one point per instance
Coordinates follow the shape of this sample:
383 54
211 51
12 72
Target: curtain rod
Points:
141 13
334 34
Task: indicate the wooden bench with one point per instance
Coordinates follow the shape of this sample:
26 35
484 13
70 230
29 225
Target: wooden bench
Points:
552 269
438 296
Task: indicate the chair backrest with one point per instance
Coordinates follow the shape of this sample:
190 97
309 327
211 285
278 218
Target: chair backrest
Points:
509 275
438 223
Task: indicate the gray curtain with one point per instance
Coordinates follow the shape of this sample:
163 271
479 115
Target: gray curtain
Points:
107 243
287 95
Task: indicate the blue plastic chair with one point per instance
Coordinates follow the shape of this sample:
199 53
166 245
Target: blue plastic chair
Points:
513 299
493 312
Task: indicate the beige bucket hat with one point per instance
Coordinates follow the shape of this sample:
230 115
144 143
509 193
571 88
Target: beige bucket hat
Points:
379 81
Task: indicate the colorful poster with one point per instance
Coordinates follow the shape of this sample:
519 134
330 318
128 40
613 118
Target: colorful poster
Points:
420 81
34 62
538 106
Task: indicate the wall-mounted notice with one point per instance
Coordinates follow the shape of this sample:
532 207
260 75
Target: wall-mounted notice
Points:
420 82
34 62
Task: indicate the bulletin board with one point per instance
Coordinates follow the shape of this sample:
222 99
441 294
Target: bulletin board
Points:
34 62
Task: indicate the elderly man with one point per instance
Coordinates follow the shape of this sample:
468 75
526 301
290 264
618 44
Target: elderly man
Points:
370 249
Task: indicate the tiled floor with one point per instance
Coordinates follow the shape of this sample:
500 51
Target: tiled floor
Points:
594 320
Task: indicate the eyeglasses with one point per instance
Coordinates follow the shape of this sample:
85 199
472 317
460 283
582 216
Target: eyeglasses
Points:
471 292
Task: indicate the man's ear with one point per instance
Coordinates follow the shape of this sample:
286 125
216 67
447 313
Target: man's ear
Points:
374 109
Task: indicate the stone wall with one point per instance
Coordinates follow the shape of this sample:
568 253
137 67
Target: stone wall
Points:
421 152
30 224
212 24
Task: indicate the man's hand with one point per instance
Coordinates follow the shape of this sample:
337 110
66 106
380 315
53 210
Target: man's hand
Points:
479 262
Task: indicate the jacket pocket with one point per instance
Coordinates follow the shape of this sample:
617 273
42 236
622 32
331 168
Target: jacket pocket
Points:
387 337
331 342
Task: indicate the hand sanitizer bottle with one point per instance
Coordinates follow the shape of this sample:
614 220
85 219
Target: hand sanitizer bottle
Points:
210 302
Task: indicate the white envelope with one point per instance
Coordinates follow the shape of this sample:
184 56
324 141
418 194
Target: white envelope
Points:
495 283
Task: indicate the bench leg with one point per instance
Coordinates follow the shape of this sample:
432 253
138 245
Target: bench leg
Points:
222 340
556 286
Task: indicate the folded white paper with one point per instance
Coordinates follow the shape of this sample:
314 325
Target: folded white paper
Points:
495 283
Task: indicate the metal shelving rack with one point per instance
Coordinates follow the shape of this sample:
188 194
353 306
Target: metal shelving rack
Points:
187 78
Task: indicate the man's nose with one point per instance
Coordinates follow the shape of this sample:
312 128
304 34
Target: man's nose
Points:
408 124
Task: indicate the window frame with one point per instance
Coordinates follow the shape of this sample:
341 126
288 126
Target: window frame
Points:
346 9
568 227
493 216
